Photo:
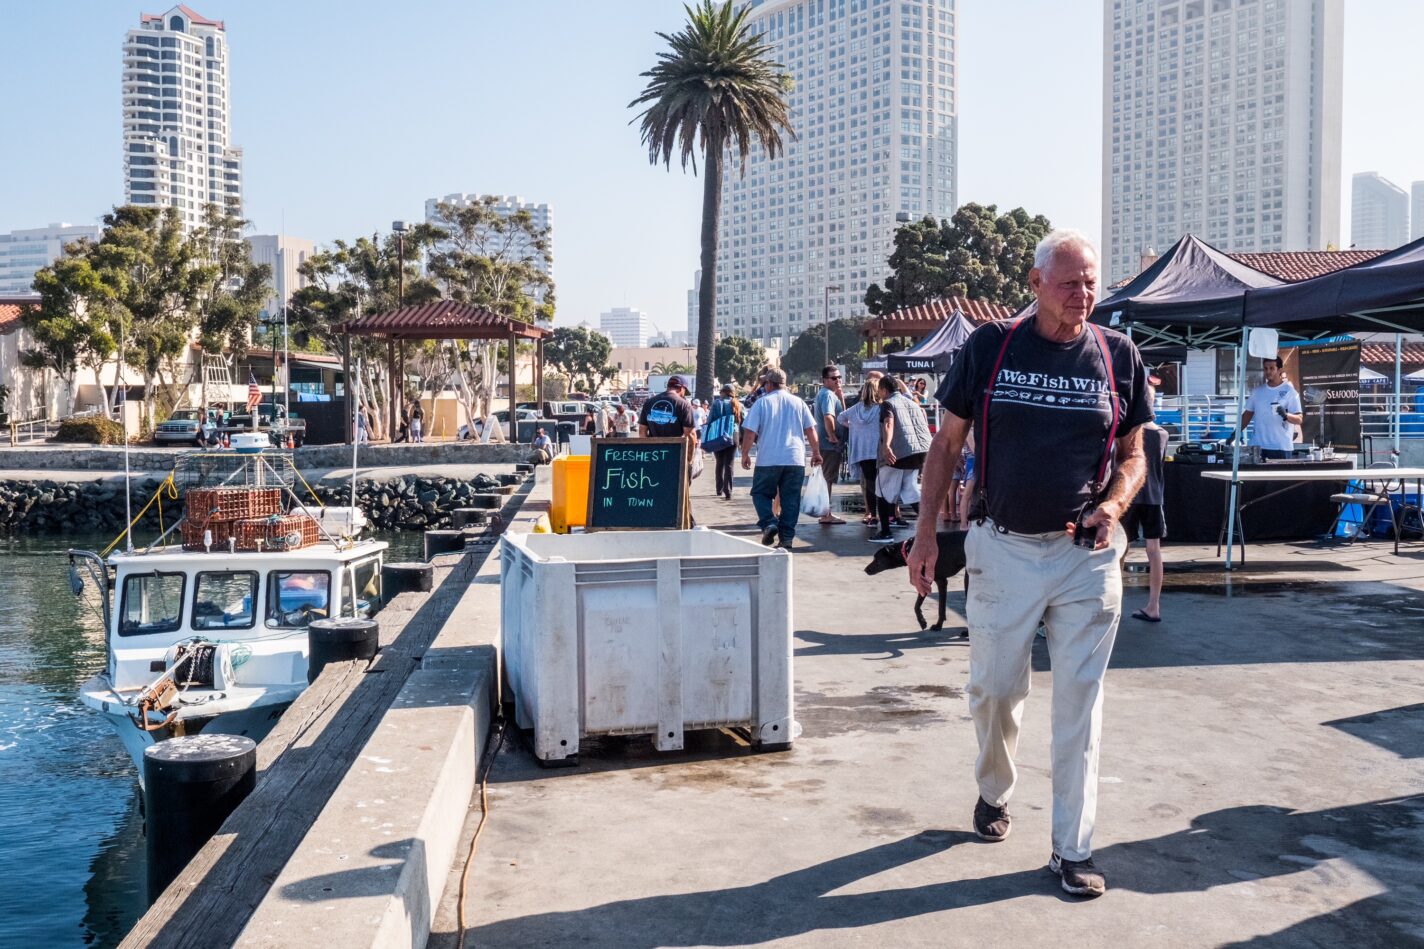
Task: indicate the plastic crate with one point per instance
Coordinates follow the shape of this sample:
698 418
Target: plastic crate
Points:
232 504
220 532
646 632
279 532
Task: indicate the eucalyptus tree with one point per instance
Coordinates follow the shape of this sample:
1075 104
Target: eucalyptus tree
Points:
493 259
76 323
349 280
716 89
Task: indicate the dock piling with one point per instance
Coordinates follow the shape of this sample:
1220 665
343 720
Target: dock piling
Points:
339 640
191 784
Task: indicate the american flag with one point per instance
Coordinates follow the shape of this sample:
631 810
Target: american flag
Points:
254 394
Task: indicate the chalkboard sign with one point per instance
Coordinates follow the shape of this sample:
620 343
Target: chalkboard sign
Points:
638 484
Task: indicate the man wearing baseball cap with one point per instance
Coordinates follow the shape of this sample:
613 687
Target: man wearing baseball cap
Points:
668 415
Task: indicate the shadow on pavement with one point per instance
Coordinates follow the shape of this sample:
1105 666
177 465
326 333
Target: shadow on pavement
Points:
1269 623
889 645
1221 848
1398 730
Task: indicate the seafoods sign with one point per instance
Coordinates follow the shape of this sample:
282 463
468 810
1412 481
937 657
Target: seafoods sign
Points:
638 484
1330 394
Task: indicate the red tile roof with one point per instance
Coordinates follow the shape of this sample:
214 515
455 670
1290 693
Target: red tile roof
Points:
9 317
1382 354
925 317
189 12
297 355
1298 265
443 319
1293 266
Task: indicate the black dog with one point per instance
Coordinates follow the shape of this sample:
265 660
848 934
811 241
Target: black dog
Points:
949 562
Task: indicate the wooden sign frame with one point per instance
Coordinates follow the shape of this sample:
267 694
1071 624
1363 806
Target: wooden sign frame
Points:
685 487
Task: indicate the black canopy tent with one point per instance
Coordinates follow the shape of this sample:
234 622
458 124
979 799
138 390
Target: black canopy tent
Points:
1384 293
936 351
1193 295
1198 296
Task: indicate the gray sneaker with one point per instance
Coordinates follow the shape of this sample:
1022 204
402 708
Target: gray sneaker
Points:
1078 877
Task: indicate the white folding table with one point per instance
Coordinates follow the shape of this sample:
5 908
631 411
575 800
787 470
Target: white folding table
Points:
1383 477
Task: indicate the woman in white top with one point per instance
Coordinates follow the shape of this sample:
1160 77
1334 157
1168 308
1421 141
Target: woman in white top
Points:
863 421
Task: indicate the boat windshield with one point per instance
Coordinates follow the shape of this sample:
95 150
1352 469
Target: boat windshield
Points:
363 588
153 603
225 599
296 597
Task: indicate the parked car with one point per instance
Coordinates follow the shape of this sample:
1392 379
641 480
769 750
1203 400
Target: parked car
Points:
271 418
502 416
183 427
569 410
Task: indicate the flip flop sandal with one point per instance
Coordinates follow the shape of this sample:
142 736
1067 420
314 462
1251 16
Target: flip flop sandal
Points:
1142 615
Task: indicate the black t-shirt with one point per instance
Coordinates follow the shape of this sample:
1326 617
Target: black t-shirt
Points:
1049 419
1154 446
667 416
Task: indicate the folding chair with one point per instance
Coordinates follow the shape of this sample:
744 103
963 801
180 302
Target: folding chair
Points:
1368 495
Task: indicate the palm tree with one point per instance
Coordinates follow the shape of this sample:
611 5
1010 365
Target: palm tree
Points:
716 87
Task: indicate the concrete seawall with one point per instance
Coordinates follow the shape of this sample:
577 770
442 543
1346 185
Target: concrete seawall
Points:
108 458
85 502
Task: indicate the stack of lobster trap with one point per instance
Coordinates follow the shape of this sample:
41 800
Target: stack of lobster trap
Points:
244 519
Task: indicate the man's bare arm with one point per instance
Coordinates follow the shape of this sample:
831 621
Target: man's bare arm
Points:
1131 471
940 463
814 445
1126 481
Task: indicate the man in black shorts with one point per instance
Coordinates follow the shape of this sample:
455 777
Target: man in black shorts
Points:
1147 515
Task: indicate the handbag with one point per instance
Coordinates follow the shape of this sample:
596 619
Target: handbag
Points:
720 433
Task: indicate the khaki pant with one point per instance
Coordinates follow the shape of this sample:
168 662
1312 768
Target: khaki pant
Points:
1014 581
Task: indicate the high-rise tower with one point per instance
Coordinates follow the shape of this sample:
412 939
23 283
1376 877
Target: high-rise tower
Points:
873 107
175 99
1221 118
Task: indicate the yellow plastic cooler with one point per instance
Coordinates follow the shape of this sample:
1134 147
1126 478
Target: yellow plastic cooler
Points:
569 507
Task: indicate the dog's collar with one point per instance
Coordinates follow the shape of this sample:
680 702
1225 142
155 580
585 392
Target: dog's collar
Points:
905 549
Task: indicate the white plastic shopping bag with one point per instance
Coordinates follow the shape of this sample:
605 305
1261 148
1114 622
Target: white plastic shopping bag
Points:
815 495
697 462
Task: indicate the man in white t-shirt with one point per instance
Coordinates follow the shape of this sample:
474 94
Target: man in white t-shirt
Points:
785 433
1272 409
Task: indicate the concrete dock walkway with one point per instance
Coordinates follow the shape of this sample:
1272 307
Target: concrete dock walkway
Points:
1262 781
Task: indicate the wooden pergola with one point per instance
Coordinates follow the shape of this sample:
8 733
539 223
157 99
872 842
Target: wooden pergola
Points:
444 319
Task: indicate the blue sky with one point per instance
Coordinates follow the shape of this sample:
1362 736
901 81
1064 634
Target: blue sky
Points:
352 113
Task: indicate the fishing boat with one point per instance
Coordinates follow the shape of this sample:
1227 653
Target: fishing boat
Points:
207 625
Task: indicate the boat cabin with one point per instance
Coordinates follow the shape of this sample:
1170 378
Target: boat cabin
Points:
260 601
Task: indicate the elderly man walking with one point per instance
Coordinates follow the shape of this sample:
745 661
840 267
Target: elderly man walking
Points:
782 427
1056 405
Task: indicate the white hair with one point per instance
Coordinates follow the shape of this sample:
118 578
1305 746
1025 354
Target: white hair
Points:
1057 240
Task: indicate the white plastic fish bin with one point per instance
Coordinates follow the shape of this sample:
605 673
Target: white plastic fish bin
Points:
646 632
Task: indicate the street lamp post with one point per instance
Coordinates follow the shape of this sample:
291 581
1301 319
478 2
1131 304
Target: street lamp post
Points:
398 370
838 289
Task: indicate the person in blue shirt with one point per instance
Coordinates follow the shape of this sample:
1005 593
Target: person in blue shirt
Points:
783 429
829 405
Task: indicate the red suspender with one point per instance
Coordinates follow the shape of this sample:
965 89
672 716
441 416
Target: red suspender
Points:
1116 414
982 449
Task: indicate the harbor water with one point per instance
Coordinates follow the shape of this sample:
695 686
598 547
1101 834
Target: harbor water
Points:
71 832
